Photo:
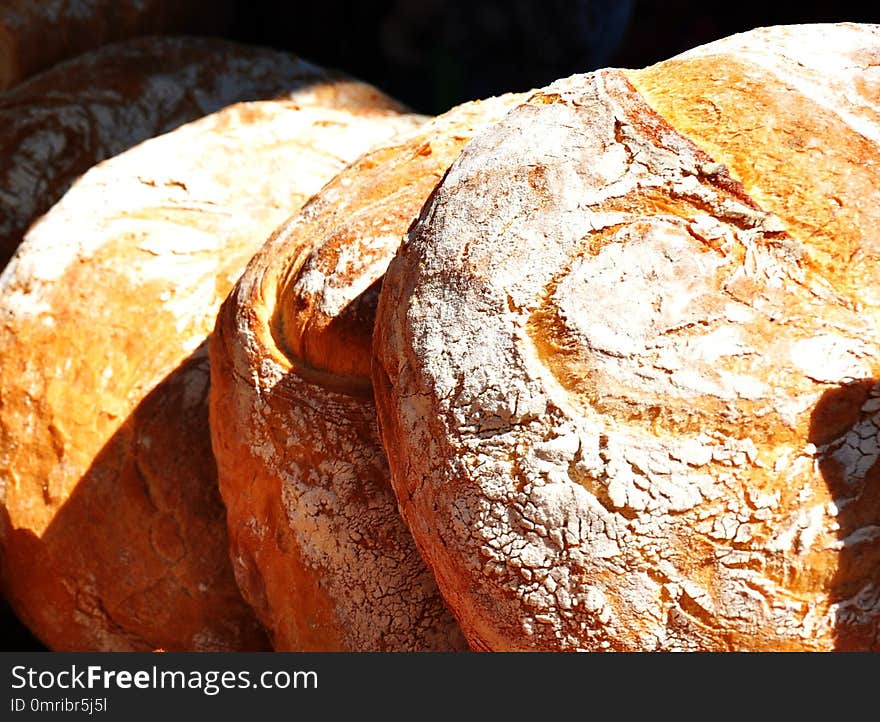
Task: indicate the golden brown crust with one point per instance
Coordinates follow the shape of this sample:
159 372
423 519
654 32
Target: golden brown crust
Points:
36 34
113 535
60 123
632 404
317 545
735 112
313 520
327 307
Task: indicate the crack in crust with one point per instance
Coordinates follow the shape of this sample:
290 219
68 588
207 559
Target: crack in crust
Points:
299 333
610 383
62 122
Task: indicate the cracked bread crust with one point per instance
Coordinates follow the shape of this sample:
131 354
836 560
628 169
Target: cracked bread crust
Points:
60 123
112 531
318 543
316 534
628 381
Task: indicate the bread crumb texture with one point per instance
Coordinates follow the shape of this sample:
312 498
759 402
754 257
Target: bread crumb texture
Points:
627 361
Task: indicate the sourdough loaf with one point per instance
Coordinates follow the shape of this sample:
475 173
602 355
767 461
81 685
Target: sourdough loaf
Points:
112 530
628 363
317 542
61 122
36 34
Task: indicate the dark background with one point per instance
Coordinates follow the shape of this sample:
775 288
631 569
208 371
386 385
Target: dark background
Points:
433 54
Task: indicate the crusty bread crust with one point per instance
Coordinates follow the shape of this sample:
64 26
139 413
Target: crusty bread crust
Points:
62 122
112 533
36 34
627 363
317 539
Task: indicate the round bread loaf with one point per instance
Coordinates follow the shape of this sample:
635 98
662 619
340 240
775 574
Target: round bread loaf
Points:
35 34
65 120
627 362
318 545
112 530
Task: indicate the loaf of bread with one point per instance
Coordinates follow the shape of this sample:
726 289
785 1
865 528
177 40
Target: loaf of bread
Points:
61 122
36 34
112 530
628 363
318 545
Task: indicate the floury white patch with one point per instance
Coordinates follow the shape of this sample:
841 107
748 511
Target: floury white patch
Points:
705 341
320 474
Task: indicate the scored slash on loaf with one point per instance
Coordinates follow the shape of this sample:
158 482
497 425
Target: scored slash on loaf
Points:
593 367
627 362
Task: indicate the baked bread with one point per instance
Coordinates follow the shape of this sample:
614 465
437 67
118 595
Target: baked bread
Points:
627 362
318 546
61 122
112 530
36 34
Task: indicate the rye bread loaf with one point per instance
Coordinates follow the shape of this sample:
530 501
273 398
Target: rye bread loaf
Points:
112 530
628 363
318 544
58 124
36 34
